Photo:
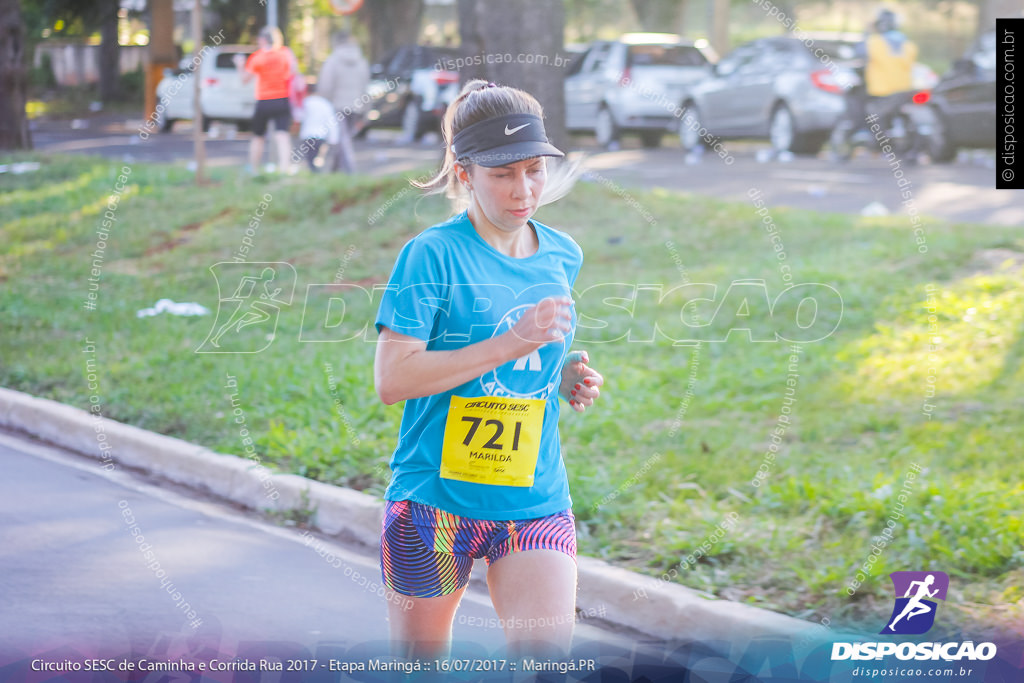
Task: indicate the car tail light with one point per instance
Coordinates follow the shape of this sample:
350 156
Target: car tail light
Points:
625 78
209 82
921 97
824 79
446 77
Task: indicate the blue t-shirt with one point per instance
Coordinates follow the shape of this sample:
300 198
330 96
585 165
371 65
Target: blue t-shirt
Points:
450 288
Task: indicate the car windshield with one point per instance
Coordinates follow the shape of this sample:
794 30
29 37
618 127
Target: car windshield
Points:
665 55
429 57
226 60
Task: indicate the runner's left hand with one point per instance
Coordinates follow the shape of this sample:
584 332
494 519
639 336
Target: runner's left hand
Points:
580 382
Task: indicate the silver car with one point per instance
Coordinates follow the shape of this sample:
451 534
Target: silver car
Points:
784 89
632 85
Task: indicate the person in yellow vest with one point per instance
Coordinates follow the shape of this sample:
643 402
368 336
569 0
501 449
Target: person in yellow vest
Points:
890 58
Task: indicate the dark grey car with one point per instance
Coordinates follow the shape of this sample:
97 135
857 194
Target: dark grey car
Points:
782 89
425 86
963 103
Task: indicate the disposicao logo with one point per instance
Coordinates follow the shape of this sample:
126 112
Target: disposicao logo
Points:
913 613
916 595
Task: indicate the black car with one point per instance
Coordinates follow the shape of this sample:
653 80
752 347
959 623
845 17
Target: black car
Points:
410 89
963 103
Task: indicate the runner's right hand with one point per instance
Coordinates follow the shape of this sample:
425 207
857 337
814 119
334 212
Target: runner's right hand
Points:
549 321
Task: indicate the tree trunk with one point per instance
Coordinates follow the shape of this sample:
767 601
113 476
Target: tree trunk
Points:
719 28
283 18
990 10
13 80
198 135
659 16
469 39
110 52
683 17
392 23
521 45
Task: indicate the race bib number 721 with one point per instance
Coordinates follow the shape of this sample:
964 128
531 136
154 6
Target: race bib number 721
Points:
492 440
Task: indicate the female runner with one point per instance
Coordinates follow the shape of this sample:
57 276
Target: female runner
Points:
474 335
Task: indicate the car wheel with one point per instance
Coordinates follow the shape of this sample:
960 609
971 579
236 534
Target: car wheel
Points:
940 147
204 122
785 137
166 125
411 120
689 128
605 129
782 129
651 139
904 136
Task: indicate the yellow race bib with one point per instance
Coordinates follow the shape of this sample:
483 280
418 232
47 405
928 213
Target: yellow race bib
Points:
492 440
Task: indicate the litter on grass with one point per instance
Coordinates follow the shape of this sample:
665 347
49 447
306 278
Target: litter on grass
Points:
168 306
874 209
19 168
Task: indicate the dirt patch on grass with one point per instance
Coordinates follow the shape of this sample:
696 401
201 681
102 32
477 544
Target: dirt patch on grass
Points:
166 245
988 261
178 237
348 202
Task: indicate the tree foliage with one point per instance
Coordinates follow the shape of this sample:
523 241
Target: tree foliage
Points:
239 19
78 19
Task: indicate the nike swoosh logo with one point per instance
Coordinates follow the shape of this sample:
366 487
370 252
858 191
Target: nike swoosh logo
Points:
510 131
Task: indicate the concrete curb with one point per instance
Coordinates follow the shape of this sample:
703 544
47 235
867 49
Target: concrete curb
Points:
661 609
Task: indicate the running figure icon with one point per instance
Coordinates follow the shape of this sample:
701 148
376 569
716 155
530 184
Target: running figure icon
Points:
250 309
917 594
915 607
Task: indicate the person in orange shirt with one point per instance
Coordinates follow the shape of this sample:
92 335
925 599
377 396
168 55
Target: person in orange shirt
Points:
273 66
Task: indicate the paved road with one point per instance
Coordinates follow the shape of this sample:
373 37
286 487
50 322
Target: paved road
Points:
118 138
962 191
76 581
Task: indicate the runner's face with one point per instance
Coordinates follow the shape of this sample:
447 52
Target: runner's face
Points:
509 195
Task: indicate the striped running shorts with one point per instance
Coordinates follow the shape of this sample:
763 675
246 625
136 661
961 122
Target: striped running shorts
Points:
426 552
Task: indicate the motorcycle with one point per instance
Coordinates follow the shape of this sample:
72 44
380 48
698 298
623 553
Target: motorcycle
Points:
899 120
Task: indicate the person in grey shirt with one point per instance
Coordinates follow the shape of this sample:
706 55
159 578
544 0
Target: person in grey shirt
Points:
343 80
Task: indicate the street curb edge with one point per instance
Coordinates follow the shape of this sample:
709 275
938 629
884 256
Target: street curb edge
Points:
661 609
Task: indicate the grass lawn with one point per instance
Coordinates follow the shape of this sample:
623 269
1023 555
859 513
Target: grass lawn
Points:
664 471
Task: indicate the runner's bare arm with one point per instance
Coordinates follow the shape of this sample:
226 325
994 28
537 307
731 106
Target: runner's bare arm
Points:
245 76
404 368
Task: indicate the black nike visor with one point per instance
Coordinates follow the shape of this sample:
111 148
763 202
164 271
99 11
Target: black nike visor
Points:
504 140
